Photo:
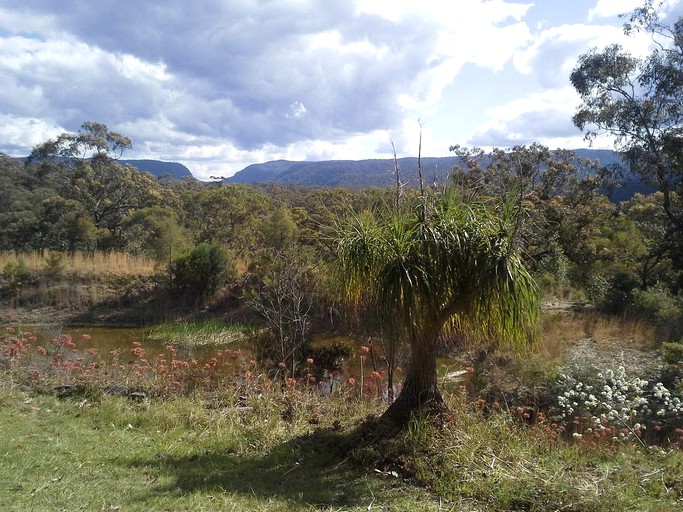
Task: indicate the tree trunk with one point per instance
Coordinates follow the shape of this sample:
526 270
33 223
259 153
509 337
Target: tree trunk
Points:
420 392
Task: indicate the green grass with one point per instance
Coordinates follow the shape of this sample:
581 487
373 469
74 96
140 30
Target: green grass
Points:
180 454
205 453
210 332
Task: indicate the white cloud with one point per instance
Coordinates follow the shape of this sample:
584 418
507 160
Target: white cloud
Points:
608 8
539 117
26 132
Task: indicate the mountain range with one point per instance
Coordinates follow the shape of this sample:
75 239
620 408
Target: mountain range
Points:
380 172
369 173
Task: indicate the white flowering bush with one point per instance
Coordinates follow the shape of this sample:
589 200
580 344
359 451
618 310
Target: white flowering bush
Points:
612 404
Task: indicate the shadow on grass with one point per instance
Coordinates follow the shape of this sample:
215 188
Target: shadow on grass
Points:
312 470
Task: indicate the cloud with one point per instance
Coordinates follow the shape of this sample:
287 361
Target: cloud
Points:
553 54
221 84
539 117
232 79
19 133
609 8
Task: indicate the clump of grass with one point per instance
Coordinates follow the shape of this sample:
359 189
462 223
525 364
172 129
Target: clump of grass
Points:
210 332
606 328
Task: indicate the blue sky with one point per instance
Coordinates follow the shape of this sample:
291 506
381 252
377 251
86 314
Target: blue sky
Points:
221 84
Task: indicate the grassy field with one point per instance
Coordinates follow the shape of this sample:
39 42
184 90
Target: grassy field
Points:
296 451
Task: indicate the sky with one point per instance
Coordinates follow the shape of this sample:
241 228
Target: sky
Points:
221 84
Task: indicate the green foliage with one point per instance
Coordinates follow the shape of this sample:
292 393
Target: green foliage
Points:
458 267
637 100
672 353
55 262
552 271
613 295
279 229
154 231
14 277
227 214
201 271
659 305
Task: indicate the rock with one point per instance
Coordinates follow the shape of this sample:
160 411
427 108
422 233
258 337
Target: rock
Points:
138 396
23 388
117 390
64 390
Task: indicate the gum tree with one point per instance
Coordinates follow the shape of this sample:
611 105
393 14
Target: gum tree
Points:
84 169
444 263
639 101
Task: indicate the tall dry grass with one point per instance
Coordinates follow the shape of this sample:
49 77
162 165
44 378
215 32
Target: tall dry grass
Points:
564 328
99 262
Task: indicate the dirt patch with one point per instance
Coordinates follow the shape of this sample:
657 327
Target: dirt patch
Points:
612 353
35 316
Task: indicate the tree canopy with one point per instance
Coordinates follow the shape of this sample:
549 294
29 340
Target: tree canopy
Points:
639 101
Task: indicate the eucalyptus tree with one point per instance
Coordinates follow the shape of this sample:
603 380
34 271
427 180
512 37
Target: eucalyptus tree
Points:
445 262
83 168
639 101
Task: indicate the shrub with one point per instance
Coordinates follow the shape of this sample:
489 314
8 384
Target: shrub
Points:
198 273
55 263
673 353
611 403
659 305
613 295
14 277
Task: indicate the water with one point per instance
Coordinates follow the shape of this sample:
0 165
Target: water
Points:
124 344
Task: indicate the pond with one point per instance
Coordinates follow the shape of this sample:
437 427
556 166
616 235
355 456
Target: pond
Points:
142 354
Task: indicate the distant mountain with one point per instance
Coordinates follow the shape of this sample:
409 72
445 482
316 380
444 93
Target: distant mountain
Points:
343 173
379 173
154 167
157 168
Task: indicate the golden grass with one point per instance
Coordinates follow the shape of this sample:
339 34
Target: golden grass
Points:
561 330
99 262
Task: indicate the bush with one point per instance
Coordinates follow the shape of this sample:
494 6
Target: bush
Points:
673 353
613 295
198 273
55 263
610 403
659 305
14 277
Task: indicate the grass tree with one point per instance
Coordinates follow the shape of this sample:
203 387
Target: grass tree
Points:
447 262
